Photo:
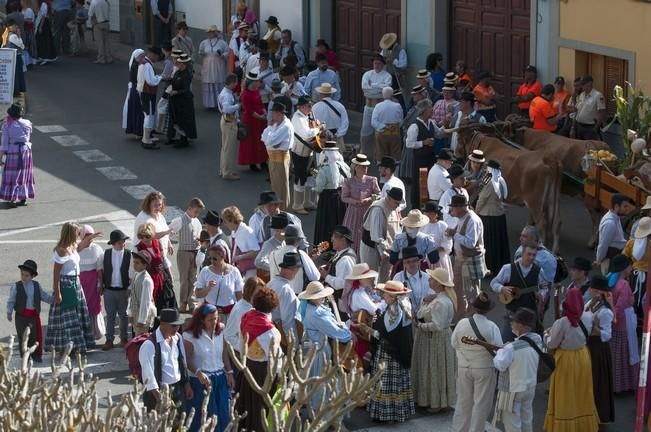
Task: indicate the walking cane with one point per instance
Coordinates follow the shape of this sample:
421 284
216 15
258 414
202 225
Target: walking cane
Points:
644 361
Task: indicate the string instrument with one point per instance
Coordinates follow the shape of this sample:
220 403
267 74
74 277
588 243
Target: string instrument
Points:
350 361
318 249
474 341
516 293
317 144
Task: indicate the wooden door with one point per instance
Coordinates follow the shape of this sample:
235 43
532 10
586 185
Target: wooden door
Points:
359 25
492 35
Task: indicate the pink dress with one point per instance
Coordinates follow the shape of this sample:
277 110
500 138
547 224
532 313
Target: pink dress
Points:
354 190
625 375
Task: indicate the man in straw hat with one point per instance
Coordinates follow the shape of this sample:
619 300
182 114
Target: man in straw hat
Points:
373 81
413 277
469 265
301 154
386 120
396 59
423 78
286 314
380 226
235 44
476 166
332 113
637 249
611 233
322 75
411 236
518 366
278 138
476 377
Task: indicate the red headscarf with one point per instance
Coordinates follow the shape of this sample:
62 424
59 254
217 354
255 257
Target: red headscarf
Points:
573 306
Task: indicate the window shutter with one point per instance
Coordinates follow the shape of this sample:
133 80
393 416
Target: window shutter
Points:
615 73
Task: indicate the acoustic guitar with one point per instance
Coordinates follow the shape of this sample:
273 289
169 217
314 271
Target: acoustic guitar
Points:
516 293
474 341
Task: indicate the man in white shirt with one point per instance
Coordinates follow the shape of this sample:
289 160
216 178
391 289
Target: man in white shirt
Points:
413 277
301 154
386 168
147 87
307 271
141 308
238 41
438 179
611 233
322 75
386 120
99 14
229 107
458 177
277 241
341 264
590 111
286 313
476 377
278 138
232 333
266 75
373 81
331 113
173 373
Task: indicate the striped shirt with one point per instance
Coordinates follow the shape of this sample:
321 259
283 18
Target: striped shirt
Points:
189 230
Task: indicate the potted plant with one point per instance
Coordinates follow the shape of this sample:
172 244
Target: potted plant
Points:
634 116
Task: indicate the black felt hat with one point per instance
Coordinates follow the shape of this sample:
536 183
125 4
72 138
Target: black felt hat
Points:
344 231
116 236
600 283
268 197
212 218
290 260
279 221
582 264
410 252
29 266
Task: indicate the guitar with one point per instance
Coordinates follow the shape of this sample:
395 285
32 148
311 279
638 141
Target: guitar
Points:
474 341
317 250
516 293
317 144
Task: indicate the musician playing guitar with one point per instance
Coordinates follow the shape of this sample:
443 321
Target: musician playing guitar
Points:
305 141
334 273
521 284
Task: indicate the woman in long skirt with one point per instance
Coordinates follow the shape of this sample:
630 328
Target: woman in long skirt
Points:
44 40
392 345
17 183
490 208
331 209
252 150
213 52
68 321
357 193
570 406
29 53
132 115
182 124
89 278
623 345
14 41
434 363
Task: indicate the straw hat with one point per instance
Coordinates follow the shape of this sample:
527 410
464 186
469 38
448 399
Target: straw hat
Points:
643 229
388 40
326 88
213 28
361 159
441 276
423 73
315 290
414 219
647 205
449 86
477 156
394 288
361 271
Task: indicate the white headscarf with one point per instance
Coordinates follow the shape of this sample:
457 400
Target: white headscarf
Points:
498 182
639 247
332 157
135 54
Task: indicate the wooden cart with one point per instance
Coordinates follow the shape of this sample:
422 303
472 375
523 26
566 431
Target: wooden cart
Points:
600 185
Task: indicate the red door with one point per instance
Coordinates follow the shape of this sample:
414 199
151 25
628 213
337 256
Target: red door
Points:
492 35
359 25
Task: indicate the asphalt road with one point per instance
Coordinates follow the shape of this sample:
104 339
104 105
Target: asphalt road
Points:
87 170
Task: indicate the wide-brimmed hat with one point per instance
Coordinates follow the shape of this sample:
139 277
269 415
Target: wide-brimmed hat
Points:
599 283
450 77
619 263
290 260
423 73
184 58
582 264
477 156
457 170
212 28
647 205
482 302
458 201
116 236
445 154
388 40
432 206
212 218
252 75
449 86
176 52
315 290
361 159
170 316
417 89
343 231
361 271
414 219
441 276
272 20
142 255
268 197
396 193
279 221
387 162
409 252
331 146
643 229
30 267
326 88
525 316
393 287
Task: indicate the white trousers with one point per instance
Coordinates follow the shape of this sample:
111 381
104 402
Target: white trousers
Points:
520 419
475 394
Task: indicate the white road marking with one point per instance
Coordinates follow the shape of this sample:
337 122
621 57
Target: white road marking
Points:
172 212
26 241
138 191
116 173
121 219
69 140
92 156
50 128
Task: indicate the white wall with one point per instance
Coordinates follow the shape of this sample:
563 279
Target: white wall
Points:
201 13
289 14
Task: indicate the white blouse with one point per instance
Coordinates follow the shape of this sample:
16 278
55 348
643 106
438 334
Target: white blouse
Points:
208 351
437 232
439 313
223 293
69 263
91 258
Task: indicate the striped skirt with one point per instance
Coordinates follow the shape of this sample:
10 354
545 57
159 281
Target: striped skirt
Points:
18 175
395 401
71 324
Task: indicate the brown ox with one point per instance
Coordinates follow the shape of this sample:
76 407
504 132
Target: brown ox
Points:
533 179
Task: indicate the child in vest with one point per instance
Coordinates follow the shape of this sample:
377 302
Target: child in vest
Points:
142 309
25 299
204 240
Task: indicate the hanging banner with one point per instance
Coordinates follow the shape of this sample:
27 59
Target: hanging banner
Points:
7 76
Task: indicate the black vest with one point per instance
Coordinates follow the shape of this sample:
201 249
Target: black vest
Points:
333 265
164 7
107 275
526 300
424 132
21 297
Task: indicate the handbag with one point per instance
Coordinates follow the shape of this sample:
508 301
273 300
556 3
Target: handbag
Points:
242 131
68 290
167 298
546 362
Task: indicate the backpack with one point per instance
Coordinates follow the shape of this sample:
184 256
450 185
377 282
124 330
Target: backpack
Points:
546 362
132 350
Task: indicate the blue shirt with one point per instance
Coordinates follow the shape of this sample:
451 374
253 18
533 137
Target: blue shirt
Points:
319 324
317 77
61 5
545 260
